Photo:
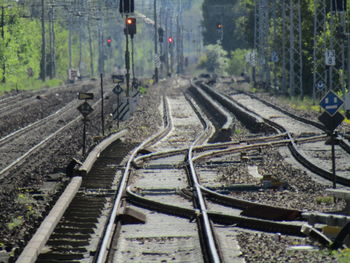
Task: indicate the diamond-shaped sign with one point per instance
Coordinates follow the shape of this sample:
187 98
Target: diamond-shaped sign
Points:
85 109
117 89
331 122
331 103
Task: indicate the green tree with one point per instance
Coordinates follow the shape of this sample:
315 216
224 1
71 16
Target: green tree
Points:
214 60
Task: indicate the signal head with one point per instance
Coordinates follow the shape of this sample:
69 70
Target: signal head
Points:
130 21
219 26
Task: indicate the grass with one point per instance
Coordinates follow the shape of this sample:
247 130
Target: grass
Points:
324 200
305 104
26 201
29 84
16 222
342 256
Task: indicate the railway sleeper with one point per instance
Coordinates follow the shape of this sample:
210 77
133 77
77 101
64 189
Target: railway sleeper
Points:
57 261
68 243
72 231
66 236
59 256
77 225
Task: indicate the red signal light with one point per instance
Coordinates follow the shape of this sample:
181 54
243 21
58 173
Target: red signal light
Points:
109 41
130 21
170 40
130 24
219 26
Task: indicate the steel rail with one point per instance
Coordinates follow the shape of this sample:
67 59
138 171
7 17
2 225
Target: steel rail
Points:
265 225
215 147
342 142
210 241
292 145
41 144
35 124
107 238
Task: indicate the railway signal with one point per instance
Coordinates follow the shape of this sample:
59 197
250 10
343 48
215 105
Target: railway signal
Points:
85 109
130 24
331 118
109 41
219 26
160 34
170 40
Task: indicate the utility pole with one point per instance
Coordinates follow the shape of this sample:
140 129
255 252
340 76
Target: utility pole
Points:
90 49
52 43
127 61
155 41
70 41
43 42
319 70
3 40
161 44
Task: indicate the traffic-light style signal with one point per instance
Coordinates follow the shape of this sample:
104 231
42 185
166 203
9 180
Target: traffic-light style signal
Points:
126 6
130 24
219 26
109 41
161 34
170 40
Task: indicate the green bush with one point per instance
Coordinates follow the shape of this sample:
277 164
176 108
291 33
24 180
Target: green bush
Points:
237 64
214 60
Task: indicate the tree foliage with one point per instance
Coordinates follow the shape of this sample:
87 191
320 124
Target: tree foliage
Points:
239 25
214 60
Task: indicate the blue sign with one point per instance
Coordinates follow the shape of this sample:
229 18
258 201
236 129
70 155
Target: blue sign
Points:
274 57
331 103
320 85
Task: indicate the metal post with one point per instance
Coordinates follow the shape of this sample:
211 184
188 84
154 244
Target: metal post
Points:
348 62
53 44
255 39
3 39
155 41
70 42
333 159
43 42
132 61
84 135
284 48
102 108
118 104
91 52
127 61
319 70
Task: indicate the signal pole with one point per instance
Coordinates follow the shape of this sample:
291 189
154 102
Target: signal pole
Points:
43 42
155 41
127 59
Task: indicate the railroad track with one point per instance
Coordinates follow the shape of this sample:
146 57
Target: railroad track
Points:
161 175
28 140
24 109
278 122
